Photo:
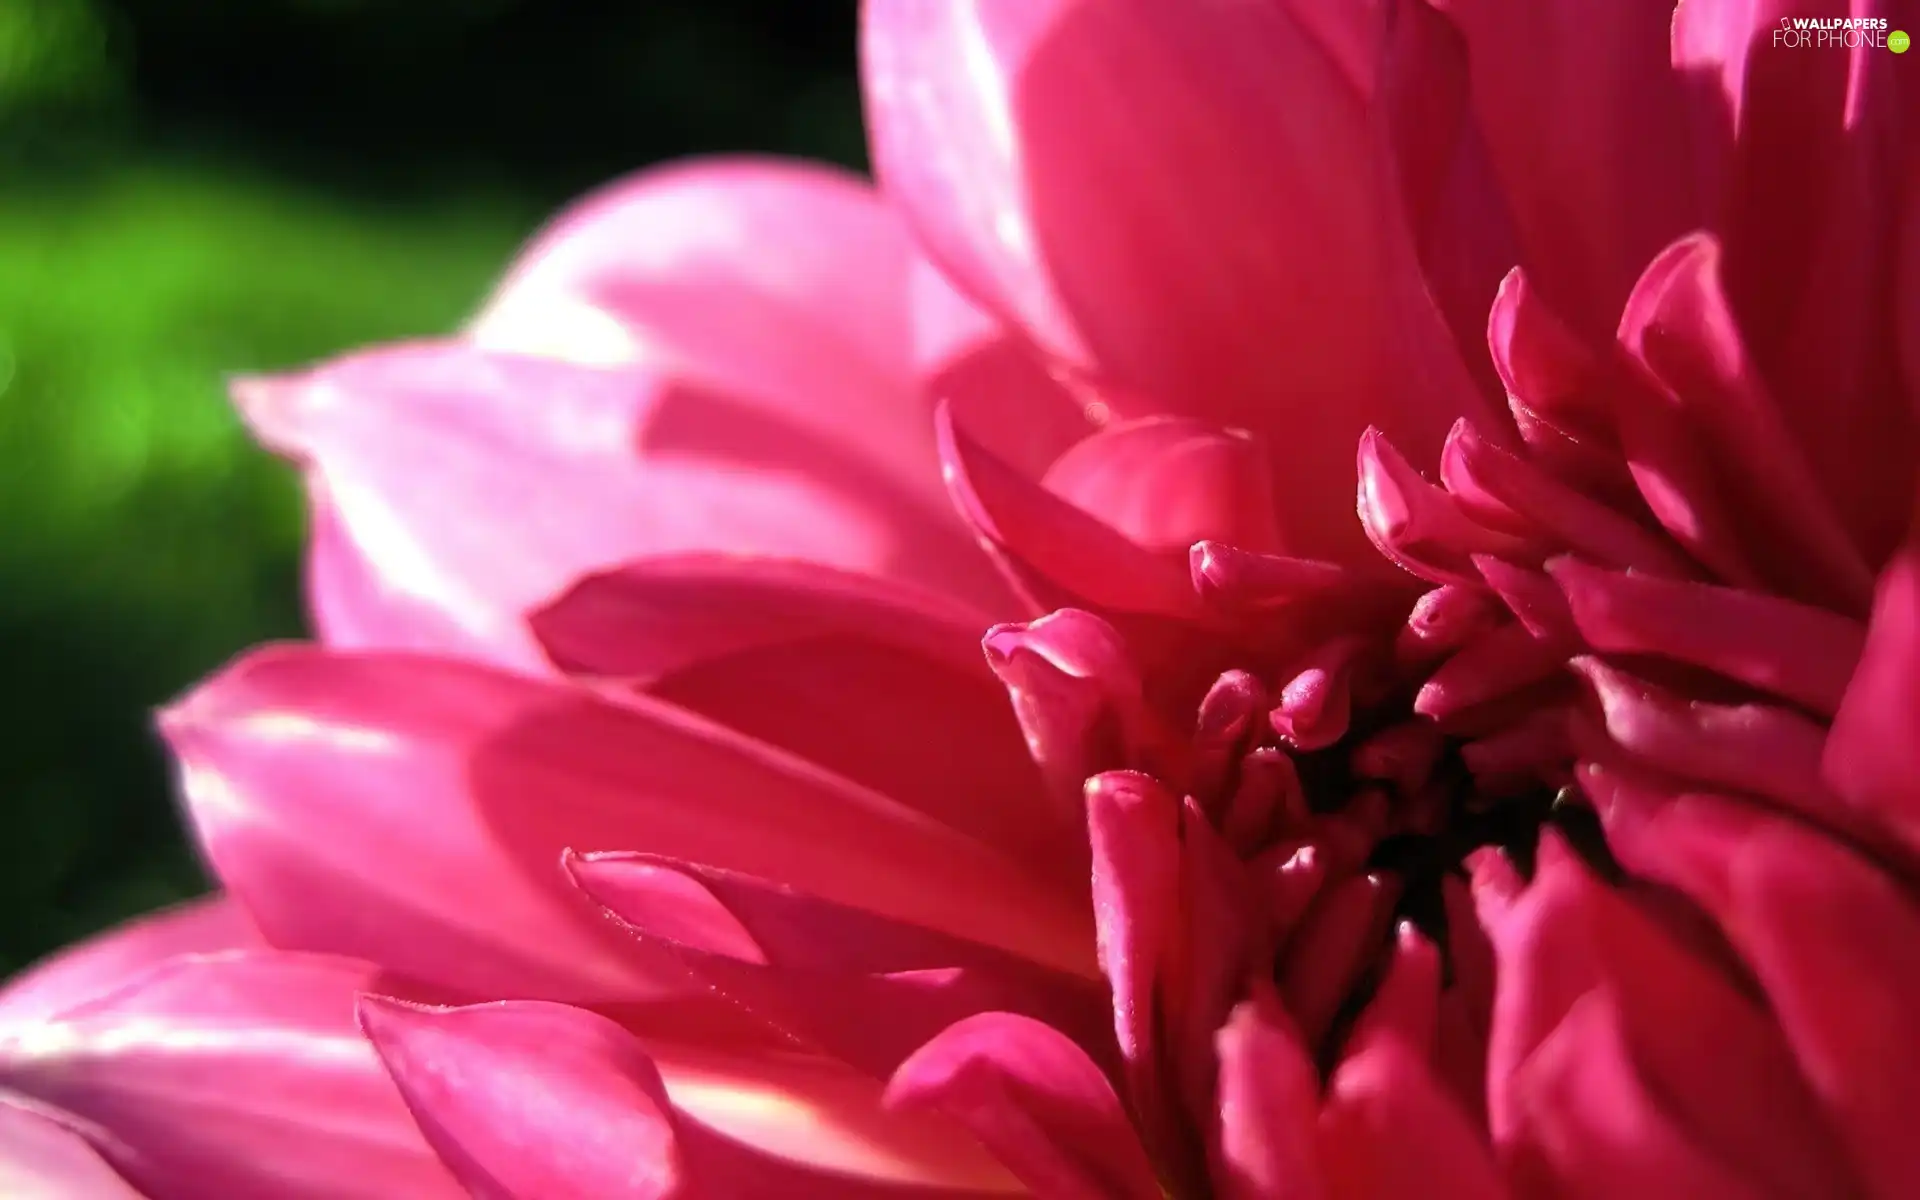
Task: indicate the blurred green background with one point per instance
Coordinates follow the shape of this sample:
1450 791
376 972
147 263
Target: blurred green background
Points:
190 188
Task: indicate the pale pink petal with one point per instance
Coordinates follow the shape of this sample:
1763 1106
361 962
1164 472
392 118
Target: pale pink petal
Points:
440 796
1083 207
1035 1101
475 485
234 1075
104 962
43 1158
531 1100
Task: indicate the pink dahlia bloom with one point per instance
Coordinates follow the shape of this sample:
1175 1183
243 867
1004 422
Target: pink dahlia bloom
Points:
650 823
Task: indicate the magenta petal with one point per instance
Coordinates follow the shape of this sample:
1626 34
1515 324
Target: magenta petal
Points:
103 963
877 682
1872 755
1036 1102
1389 1131
644 620
1591 1128
441 795
1056 553
1168 482
1832 940
1680 326
1269 1102
529 1100
1085 211
1134 825
1078 694
1791 650
1587 129
1697 1053
239 1075
42 1158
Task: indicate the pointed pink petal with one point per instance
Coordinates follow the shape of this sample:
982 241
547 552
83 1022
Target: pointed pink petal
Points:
1424 528
1833 941
43 1158
1806 149
1555 391
1133 823
1081 209
1474 467
1764 751
1872 756
103 963
1035 1101
239 1074
1058 554
1791 650
1269 1100
1680 326
527 1100
325 787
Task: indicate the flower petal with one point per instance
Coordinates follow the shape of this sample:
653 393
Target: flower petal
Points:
1036 1101
1269 1101
327 786
1832 940
103 963
239 1074
1872 754
1086 211
42 1158
865 678
1587 129
526 1100
1795 651
474 485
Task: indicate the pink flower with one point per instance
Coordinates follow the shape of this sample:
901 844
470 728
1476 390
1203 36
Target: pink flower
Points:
650 822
